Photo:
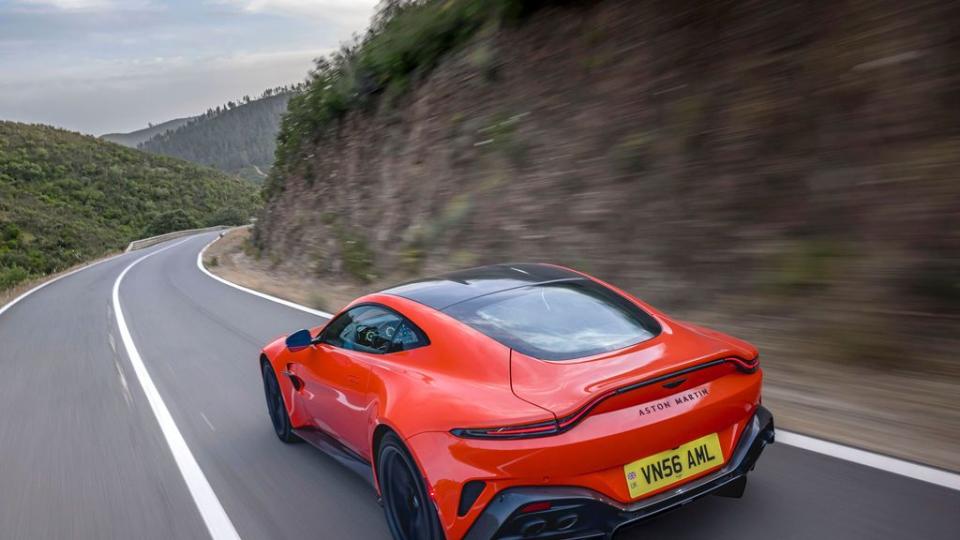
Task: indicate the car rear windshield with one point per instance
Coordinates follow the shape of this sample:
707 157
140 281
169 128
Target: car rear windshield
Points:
558 320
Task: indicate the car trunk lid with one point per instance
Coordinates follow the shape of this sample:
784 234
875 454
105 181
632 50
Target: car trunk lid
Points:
676 361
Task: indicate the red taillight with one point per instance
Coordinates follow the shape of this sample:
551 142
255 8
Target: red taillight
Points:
748 366
538 429
536 507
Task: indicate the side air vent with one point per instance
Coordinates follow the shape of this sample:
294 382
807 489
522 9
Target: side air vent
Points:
471 491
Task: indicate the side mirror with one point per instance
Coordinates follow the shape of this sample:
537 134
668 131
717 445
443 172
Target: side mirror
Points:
299 340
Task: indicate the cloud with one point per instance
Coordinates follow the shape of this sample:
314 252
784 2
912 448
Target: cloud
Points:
83 5
66 4
113 65
353 13
123 95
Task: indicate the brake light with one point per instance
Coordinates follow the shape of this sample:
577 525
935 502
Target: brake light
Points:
747 366
524 431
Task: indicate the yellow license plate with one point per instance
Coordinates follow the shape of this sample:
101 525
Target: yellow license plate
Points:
666 468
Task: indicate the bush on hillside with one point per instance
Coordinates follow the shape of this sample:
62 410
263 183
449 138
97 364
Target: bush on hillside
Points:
407 38
174 220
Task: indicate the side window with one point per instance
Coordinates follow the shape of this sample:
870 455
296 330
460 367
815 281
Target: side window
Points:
368 329
408 337
373 329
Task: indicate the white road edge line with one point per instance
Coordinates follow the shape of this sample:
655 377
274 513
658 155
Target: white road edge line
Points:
211 510
893 465
889 464
281 301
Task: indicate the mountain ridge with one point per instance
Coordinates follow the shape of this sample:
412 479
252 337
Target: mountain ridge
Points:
134 138
238 138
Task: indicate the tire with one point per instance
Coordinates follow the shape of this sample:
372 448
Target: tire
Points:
275 406
411 513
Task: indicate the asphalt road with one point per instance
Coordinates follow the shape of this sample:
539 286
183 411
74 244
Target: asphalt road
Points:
83 456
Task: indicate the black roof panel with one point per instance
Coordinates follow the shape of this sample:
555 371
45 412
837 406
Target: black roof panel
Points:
444 290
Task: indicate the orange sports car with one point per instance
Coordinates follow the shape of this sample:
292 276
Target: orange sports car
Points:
521 401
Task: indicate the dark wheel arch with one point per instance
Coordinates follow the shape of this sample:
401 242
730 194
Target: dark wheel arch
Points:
410 511
378 435
276 405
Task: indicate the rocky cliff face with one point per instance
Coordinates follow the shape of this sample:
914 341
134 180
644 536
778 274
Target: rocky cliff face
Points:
789 167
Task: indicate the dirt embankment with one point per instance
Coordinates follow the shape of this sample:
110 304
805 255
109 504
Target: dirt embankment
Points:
785 173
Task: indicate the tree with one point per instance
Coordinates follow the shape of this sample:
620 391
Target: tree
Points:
174 220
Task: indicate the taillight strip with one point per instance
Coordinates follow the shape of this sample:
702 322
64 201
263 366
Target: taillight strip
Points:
555 427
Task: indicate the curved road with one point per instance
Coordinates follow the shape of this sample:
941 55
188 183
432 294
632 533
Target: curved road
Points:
82 454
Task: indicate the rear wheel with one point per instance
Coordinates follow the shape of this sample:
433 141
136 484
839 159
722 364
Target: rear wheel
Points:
276 407
411 514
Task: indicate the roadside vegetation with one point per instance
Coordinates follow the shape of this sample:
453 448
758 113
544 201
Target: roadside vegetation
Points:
66 198
405 41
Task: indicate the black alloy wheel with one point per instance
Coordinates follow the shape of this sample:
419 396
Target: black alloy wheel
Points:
411 514
276 407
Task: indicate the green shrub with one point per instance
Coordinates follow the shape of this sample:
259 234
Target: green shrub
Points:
12 276
174 220
9 233
356 255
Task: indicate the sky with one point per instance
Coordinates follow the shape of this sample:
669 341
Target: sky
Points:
101 66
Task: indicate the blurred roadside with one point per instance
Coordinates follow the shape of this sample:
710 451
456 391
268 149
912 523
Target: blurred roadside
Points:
913 414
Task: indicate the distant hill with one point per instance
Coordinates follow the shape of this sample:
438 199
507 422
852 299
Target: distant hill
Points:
238 138
135 138
66 198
